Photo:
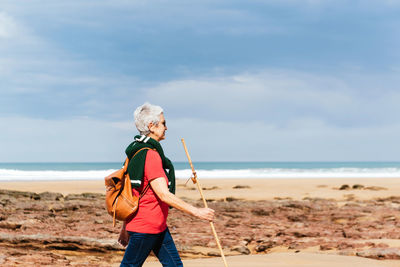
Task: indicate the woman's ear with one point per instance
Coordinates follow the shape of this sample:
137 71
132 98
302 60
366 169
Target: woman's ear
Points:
150 126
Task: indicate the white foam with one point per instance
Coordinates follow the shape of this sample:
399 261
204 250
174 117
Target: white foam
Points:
295 173
20 175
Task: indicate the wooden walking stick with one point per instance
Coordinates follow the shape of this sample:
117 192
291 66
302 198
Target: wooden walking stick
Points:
194 179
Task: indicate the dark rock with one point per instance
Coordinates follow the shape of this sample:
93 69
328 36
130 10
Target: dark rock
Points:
93 195
30 206
297 218
260 212
230 199
280 233
266 244
326 247
282 198
231 208
358 186
241 250
84 196
380 253
260 248
343 245
248 239
51 196
306 233
296 205
56 207
74 197
232 215
63 243
299 235
71 206
16 194
344 187
5 201
214 254
352 234
35 196
210 188
231 223
241 187
10 225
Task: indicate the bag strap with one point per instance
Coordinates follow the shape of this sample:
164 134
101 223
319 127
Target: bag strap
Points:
143 148
144 190
127 159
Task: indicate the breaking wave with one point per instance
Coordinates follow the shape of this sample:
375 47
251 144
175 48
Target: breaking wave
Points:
54 175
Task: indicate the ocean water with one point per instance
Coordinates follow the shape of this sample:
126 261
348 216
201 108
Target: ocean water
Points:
98 170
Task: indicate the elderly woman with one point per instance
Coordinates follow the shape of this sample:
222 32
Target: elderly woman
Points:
152 175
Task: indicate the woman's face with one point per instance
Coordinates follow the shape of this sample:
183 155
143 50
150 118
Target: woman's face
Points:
157 132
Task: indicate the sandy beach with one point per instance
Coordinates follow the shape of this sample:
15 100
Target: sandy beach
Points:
258 189
287 260
278 195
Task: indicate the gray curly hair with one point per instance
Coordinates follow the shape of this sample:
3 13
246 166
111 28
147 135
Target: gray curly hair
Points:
145 114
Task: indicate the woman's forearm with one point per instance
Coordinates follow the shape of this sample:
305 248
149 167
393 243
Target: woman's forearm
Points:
178 203
159 185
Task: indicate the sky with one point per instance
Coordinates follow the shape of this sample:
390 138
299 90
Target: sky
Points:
286 80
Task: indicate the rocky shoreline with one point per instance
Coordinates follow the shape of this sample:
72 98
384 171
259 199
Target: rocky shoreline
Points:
56 230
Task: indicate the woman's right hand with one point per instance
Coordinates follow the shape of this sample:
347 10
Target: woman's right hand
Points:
205 214
123 238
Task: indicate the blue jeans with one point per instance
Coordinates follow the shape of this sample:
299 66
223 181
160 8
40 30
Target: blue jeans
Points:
140 245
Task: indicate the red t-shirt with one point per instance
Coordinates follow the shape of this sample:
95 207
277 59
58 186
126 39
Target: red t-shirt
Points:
151 216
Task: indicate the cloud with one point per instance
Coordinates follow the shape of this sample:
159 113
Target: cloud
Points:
269 115
303 140
73 140
83 140
8 27
279 96
41 80
306 79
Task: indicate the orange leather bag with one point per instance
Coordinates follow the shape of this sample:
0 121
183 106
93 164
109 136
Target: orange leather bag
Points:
120 201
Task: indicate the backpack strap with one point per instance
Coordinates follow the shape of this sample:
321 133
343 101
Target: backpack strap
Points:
144 190
127 159
143 148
